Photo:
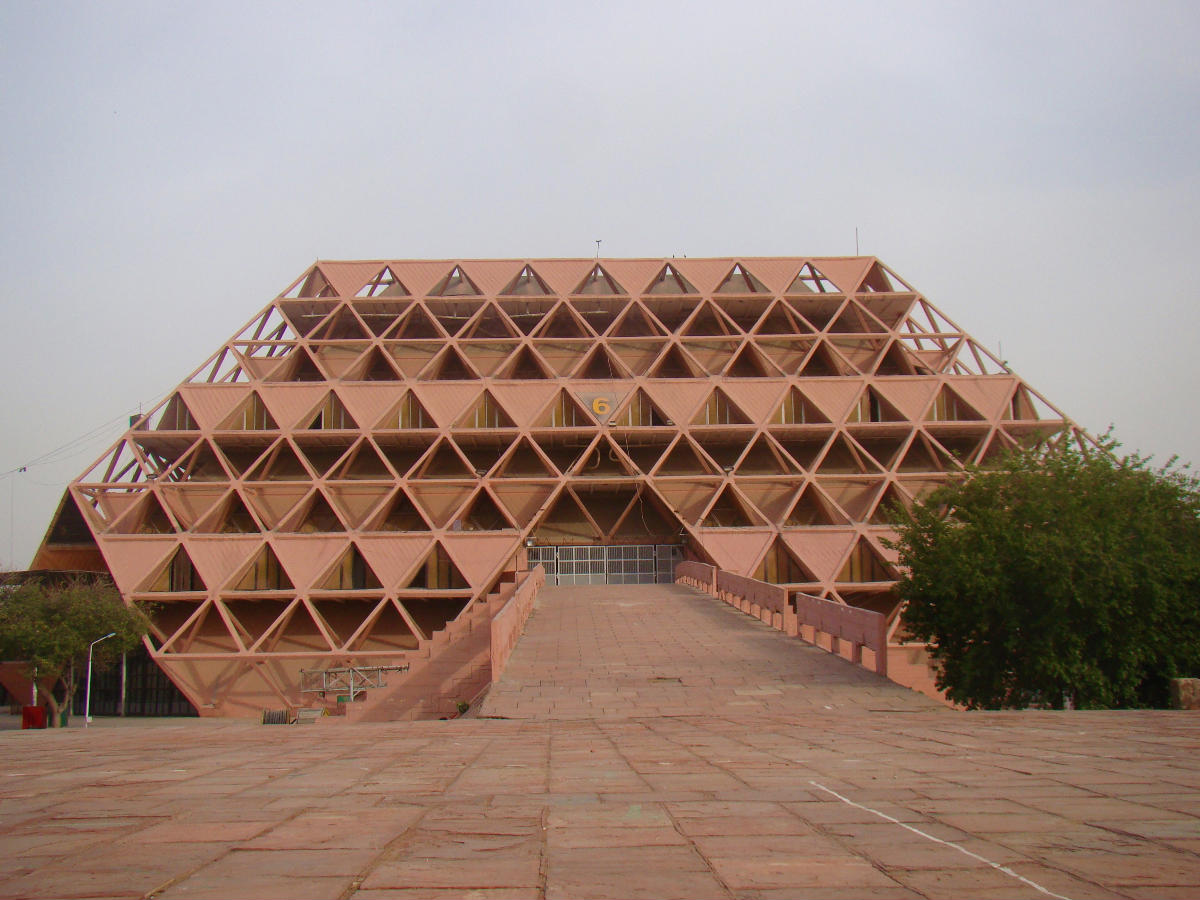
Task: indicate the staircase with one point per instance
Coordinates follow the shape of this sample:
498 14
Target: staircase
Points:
457 664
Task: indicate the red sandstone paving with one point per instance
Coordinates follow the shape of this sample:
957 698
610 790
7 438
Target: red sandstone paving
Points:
751 846
630 872
987 884
742 825
530 893
886 892
612 836
497 869
1133 869
342 831
221 885
478 822
703 787
801 872
467 845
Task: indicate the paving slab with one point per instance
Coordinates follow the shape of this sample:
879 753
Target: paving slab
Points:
885 796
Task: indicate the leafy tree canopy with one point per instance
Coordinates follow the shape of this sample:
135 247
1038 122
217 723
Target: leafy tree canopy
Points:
1057 577
49 626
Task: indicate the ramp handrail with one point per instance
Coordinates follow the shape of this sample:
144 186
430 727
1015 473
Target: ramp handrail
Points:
697 574
800 615
859 627
452 669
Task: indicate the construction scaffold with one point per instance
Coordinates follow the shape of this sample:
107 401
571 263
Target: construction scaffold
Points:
349 681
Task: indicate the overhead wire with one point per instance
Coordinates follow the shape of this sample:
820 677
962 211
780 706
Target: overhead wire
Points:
78 444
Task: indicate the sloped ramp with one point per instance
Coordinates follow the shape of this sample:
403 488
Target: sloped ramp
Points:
634 651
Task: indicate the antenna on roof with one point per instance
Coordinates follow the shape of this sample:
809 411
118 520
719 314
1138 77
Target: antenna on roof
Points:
856 240
597 248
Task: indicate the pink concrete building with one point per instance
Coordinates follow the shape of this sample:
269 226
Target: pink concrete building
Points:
387 441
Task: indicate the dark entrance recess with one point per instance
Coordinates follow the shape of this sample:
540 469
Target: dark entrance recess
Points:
148 692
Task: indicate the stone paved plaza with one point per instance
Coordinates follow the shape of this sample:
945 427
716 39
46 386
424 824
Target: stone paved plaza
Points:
644 742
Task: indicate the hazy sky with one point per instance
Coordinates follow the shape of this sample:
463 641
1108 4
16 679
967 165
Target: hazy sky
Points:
166 169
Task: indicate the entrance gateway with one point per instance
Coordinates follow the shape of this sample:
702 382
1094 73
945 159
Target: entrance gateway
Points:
609 564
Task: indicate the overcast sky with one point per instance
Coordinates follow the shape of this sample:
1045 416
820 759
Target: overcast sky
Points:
166 169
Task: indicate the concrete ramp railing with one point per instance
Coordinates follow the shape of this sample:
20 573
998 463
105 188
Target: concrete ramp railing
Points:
858 627
458 663
811 619
699 575
509 622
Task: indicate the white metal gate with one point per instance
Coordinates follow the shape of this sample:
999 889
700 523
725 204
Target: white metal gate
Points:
613 564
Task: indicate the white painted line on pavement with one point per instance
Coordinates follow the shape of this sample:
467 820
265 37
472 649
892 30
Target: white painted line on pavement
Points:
999 868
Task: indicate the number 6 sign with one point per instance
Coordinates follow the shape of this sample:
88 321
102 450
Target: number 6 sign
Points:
600 405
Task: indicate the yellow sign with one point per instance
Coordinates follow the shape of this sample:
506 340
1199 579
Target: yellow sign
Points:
601 404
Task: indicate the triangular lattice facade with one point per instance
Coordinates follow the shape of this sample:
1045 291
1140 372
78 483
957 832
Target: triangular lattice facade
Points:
381 443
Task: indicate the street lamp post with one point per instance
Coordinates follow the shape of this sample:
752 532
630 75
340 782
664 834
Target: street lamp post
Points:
87 699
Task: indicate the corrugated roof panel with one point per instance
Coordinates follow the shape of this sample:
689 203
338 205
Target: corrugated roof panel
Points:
306 557
420 276
446 401
291 404
368 403
132 560
347 278
834 396
847 272
823 551
635 275
212 404
775 273
705 275
492 275
524 400
910 396
678 398
479 556
737 550
394 556
758 398
563 275
219 558
988 394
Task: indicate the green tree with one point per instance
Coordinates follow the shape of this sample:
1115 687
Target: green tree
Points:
49 627
1057 577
